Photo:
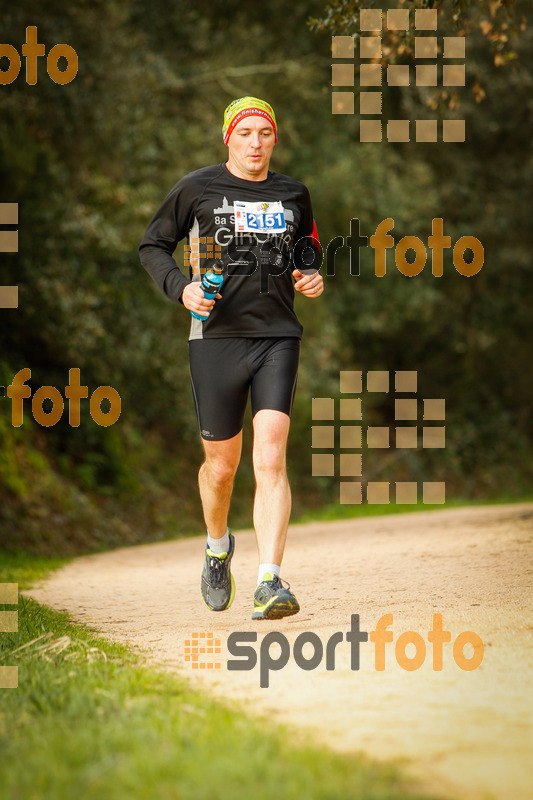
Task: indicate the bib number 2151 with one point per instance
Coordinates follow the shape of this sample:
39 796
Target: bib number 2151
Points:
259 217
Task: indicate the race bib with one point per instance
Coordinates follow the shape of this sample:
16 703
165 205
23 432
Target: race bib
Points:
259 217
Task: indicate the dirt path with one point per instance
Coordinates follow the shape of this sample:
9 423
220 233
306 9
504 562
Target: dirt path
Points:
468 733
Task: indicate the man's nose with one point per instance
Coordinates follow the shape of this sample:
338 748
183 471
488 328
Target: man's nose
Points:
256 141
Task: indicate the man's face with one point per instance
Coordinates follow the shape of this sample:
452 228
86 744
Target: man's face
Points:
250 147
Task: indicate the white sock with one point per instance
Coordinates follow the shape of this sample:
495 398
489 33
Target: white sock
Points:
221 545
274 568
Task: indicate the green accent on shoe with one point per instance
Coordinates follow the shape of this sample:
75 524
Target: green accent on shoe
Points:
272 600
217 584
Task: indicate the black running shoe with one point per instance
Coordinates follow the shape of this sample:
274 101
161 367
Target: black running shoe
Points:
218 586
272 600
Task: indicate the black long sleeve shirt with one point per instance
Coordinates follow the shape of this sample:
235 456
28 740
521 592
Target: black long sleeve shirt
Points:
241 221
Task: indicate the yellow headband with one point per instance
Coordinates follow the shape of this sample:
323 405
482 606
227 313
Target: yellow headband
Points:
246 107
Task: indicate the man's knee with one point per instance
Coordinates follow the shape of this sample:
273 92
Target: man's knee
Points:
220 468
269 459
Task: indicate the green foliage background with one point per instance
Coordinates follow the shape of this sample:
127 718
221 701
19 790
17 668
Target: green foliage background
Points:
89 162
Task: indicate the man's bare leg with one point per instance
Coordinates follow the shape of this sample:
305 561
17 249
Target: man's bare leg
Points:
216 484
215 479
272 503
272 508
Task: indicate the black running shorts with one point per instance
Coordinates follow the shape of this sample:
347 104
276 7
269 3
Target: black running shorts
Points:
222 371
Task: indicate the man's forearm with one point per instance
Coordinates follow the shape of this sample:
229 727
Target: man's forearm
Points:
163 270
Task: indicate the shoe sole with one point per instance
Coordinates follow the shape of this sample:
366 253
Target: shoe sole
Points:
230 601
277 609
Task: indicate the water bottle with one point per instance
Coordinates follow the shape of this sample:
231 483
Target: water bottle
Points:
211 284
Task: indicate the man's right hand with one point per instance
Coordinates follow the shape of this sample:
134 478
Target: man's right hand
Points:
193 299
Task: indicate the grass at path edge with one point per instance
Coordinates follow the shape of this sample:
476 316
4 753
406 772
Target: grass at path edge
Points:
335 511
89 720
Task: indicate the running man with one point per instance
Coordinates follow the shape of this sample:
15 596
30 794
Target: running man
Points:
249 338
